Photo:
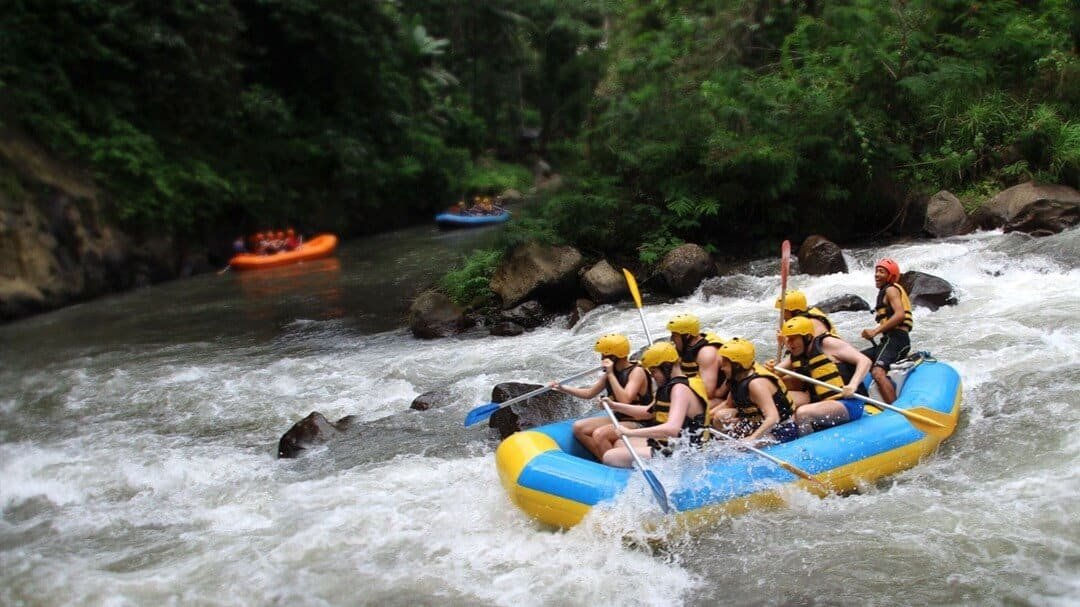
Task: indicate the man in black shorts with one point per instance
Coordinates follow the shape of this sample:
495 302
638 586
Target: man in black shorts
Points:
894 322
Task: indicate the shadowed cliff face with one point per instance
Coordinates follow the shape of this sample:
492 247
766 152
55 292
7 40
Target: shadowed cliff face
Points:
57 245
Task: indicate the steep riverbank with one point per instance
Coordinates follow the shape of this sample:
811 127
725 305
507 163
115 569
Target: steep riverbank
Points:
58 243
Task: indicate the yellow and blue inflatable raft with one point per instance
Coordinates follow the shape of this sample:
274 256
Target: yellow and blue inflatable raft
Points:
555 480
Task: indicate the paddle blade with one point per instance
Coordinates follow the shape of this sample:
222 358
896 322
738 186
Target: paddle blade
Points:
632 283
480 413
932 422
785 261
657 490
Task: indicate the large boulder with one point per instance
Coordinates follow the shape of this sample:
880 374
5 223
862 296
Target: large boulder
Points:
927 290
819 256
945 215
1045 217
582 307
313 430
685 267
433 315
604 284
527 315
432 399
506 329
543 409
1029 207
534 270
843 303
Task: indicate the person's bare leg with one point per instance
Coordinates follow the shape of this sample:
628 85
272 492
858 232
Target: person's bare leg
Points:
884 384
619 457
584 430
825 413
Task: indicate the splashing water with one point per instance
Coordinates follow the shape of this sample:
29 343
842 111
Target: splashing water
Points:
137 439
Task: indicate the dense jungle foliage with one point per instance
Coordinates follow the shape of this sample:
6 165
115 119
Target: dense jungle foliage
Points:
728 123
354 116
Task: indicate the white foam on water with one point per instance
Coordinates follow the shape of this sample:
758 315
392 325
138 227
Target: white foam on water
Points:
149 478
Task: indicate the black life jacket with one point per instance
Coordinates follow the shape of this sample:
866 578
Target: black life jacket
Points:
688 356
623 377
747 410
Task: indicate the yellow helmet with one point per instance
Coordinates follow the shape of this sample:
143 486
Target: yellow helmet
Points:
658 354
739 351
684 324
794 300
714 339
800 325
613 344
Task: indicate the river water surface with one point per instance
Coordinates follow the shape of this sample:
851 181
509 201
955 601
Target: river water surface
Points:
138 433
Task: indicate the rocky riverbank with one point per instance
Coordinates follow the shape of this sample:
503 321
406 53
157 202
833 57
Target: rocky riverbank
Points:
533 284
58 243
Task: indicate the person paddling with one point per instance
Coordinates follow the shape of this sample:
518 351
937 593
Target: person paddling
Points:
794 304
697 352
679 408
624 381
758 405
892 312
827 358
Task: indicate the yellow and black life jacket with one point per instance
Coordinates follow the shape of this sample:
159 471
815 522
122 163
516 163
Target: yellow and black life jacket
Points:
815 363
661 407
747 410
817 314
883 310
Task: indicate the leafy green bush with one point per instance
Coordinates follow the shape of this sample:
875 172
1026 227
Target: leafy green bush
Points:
490 177
468 284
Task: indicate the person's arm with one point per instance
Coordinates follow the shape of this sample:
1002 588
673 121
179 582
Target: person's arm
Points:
680 404
761 393
633 386
589 392
838 349
708 368
635 411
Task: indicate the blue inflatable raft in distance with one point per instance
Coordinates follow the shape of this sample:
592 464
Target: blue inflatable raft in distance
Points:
453 220
548 474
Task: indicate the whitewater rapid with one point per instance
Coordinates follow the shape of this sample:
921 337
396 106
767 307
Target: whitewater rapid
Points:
138 433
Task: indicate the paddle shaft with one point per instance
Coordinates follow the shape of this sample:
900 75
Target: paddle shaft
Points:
779 462
542 389
625 439
865 399
654 483
785 258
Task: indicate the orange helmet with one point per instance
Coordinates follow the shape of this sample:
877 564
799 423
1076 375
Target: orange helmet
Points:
290 232
279 234
892 269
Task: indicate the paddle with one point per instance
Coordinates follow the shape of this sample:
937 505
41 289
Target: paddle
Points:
792 468
486 410
632 283
225 269
785 260
925 419
654 483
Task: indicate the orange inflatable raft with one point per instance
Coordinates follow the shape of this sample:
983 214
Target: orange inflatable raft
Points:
318 247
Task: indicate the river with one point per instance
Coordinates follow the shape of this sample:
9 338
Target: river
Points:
138 435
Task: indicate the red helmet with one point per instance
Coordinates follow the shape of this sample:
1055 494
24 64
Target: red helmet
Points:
892 269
